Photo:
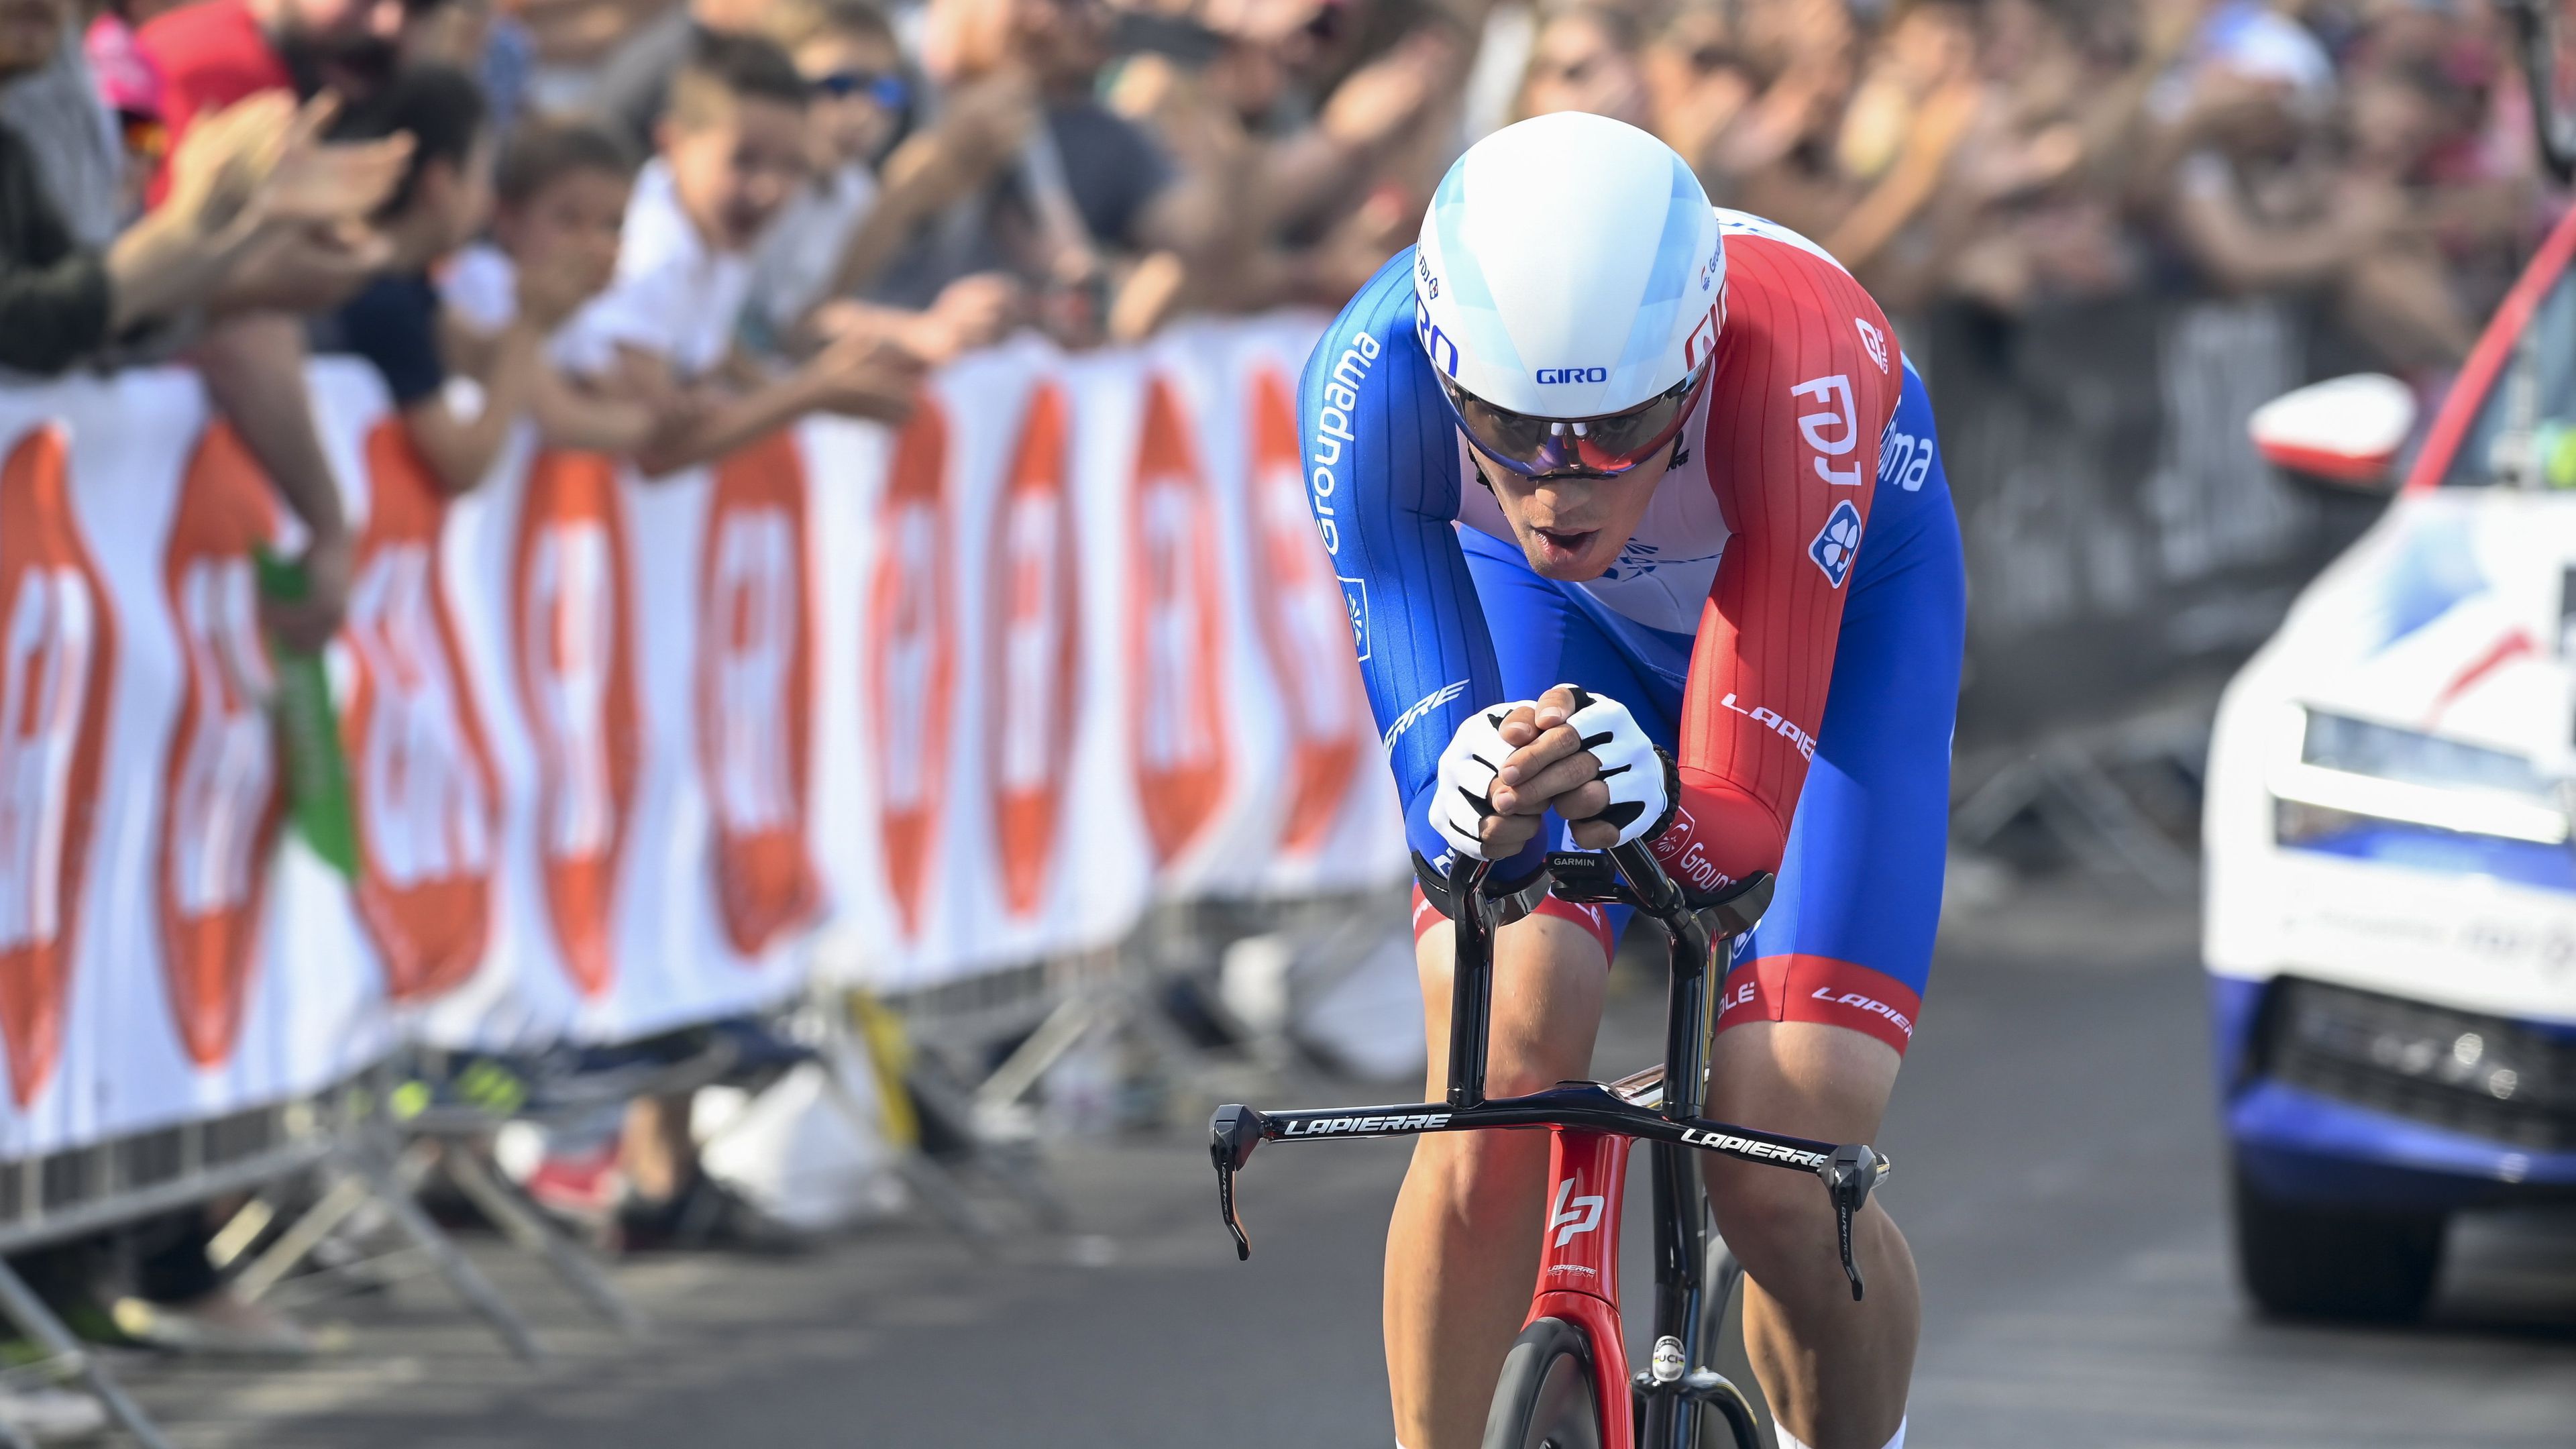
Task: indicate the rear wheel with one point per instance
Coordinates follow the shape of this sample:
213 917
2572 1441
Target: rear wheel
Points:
2299 1261
1544 1399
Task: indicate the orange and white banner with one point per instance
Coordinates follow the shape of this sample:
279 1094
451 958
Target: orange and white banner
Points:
623 751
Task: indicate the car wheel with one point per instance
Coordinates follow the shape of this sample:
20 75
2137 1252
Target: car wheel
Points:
2301 1261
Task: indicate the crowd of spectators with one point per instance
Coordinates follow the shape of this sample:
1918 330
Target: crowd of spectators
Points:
662 228
2373 156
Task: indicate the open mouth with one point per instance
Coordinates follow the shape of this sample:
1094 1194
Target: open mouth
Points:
1563 545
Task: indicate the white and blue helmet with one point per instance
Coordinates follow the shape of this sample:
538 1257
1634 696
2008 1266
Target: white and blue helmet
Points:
1569 288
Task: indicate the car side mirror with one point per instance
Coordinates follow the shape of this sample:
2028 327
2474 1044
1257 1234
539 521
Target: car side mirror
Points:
2345 432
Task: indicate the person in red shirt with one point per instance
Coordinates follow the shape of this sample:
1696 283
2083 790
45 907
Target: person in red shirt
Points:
210 55
214 53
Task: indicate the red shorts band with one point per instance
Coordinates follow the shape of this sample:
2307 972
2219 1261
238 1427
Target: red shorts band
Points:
1592 919
1820 988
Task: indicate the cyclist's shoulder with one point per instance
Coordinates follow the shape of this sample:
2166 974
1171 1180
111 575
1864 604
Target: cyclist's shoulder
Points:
1741 226
1377 318
1383 306
1790 304
1778 271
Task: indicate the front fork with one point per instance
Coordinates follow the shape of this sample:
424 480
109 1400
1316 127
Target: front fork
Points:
1578 1263
1578 1280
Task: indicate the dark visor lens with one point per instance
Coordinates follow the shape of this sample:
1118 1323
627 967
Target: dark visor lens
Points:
1602 446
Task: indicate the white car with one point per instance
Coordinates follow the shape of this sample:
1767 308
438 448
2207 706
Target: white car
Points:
2390 923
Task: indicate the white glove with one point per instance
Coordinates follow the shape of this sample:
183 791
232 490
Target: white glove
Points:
1467 770
1640 787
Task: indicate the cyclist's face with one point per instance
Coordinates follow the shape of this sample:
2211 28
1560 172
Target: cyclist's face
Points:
1573 528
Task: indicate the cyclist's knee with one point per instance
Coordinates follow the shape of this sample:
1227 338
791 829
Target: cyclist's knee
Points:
1827 1083
1774 1221
1548 983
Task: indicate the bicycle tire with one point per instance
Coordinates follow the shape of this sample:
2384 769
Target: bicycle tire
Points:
1544 1398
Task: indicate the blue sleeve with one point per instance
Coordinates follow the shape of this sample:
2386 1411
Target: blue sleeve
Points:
1382 478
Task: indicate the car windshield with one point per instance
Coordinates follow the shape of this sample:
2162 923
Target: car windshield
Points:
2526 426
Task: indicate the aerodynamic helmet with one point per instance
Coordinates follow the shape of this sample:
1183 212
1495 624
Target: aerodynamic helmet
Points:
1569 288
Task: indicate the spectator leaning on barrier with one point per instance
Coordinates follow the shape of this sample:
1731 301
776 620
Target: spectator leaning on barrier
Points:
1026 172
847 52
560 197
733 152
210 54
396 322
256 168
1320 133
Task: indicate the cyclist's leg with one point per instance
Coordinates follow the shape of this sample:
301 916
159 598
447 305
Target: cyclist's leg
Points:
1821 1001
1462 1247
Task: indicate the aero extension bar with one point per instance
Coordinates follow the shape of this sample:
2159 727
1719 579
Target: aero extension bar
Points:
1645 1106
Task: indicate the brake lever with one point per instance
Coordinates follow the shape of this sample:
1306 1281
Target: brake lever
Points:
1232 1134
1849 1175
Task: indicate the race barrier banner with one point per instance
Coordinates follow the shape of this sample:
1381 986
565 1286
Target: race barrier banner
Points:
621 751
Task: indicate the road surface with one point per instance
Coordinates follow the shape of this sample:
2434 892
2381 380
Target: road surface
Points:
2058 1176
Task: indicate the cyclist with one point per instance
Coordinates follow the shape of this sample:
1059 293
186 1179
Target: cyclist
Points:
1641 526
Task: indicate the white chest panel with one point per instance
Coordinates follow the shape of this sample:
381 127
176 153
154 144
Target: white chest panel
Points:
1663 576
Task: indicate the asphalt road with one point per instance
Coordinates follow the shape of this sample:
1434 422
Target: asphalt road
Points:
2059 1178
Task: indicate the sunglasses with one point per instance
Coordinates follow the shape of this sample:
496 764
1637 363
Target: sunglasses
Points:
885 89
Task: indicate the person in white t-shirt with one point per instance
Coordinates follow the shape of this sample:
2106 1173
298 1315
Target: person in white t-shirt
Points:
733 154
561 193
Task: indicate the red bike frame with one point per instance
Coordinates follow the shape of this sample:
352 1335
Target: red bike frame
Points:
1591 1127
1578 1270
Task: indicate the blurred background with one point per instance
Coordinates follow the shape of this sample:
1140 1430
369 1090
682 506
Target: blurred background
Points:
597 593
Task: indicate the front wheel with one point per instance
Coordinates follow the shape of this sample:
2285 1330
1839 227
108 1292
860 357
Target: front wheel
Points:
2299 1261
1544 1399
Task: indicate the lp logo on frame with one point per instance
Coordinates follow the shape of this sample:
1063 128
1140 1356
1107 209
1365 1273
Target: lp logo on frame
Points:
1573 1214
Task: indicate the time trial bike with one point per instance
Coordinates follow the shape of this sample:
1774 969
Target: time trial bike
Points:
1566 1382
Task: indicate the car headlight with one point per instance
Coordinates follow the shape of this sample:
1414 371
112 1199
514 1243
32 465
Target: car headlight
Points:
2354 768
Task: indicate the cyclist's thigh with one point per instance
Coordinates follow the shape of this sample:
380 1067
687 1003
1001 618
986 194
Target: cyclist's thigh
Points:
1544 637
1848 939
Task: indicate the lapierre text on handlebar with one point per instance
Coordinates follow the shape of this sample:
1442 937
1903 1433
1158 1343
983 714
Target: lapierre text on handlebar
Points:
1644 1106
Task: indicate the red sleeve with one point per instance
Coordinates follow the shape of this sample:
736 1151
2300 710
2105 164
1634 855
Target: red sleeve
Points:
1807 377
209 55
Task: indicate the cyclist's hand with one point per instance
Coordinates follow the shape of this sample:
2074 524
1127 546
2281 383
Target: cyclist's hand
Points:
1463 810
1586 756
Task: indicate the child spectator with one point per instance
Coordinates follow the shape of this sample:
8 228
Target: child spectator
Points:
847 52
395 321
733 153
560 195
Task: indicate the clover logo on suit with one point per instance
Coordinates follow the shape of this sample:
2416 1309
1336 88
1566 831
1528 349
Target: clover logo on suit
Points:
220 780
